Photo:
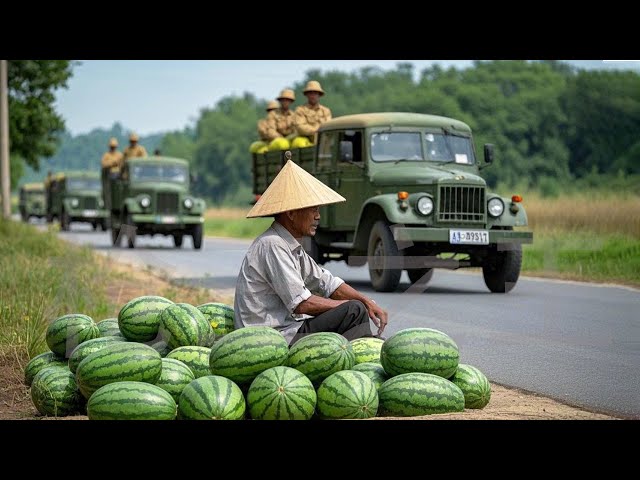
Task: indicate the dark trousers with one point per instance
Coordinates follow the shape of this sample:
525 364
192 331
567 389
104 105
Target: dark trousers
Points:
350 319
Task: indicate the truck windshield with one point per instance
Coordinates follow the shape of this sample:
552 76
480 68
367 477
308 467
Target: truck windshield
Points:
448 148
392 146
83 184
159 173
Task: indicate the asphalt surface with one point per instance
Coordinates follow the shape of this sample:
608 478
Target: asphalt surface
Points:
575 342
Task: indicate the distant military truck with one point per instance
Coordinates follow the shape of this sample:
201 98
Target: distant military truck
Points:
415 200
32 201
152 196
76 197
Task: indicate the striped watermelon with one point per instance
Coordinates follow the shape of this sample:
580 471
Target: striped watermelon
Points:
139 319
281 393
54 392
67 332
85 349
243 354
422 350
118 362
347 394
174 377
474 385
211 398
321 354
109 328
162 348
183 325
37 363
220 316
131 401
412 394
196 358
367 349
374 371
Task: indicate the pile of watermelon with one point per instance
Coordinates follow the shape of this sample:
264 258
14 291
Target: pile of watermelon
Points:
161 360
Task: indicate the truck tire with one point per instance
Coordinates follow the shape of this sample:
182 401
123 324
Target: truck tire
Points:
422 276
94 225
131 232
197 236
64 221
502 269
382 251
177 239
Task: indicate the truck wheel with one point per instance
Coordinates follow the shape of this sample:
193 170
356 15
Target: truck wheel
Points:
131 232
49 218
502 269
197 236
382 252
103 225
422 276
177 239
95 225
64 221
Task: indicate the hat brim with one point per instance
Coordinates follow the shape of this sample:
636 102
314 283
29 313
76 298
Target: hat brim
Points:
317 91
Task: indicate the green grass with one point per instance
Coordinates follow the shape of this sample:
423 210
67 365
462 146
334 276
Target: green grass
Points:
42 278
236 227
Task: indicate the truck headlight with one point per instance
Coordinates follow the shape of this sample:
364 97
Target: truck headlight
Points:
145 202
100 203
188 203
424 206
495 207
75 202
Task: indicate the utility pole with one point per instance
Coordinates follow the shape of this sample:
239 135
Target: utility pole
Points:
4 141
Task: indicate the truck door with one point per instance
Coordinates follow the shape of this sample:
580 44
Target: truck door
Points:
325 170
350 182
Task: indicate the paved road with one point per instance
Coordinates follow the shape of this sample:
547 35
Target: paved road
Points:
572 341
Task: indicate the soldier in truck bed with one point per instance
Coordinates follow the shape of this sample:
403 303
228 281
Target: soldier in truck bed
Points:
280 121
264 132
310 116
134 149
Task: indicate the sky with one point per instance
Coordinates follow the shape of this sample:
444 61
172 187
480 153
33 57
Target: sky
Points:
152 96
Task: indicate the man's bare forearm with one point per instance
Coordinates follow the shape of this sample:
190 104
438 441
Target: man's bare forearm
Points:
316 305
346 292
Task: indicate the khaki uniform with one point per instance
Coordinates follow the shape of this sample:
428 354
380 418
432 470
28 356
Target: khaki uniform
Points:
131 152
307 119
112 161
280 123
263 129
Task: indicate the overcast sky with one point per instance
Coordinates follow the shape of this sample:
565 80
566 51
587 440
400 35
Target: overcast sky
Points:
152 96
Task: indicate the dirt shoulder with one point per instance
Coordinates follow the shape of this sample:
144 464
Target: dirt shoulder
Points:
506 403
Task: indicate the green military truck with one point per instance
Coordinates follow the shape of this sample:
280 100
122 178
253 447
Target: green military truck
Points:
31 201
76 197
152 196
416 200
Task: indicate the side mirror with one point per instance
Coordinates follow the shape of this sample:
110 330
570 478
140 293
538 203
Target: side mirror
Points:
488 153
193 178
346 151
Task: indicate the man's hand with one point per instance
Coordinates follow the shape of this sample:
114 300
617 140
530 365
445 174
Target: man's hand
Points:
377 315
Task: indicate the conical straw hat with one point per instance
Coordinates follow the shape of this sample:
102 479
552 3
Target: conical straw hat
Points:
292 189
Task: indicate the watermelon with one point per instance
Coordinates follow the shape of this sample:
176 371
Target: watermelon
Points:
220 316
87 348
183 325
67 332
109 328
243 354
54 392
174 377
374 371
474 385
37 363
367 349
211 398
118 362
281 393
162 348
131 401
139 319
196 358
422 350
321 354
347 394
412 394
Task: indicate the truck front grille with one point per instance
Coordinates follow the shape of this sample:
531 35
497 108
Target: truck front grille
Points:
461 204
89 203
167 202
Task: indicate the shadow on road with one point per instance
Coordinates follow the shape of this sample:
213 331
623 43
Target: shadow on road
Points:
365 286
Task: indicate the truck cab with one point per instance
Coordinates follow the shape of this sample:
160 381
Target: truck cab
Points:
152 196
32 201
416 200
76 197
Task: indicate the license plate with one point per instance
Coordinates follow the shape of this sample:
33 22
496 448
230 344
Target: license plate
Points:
471 237
89 213
167 219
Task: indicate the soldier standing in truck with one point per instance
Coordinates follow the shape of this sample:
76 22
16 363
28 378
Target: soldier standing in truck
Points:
310 116
264 133
280 121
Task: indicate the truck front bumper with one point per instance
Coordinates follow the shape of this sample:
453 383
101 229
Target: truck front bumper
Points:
81 215
441 235
169 220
